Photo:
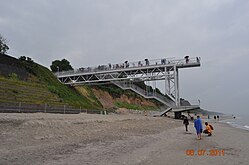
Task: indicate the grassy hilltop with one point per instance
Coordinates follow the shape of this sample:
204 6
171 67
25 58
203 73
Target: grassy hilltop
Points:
23 80
27 81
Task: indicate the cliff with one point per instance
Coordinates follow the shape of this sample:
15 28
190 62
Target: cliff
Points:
23 80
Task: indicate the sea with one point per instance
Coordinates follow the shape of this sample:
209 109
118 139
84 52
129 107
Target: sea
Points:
240 121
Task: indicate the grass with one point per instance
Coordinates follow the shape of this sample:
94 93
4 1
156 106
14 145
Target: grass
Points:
41 86
87 92
126 105
67 93
42 79
21 91
113 90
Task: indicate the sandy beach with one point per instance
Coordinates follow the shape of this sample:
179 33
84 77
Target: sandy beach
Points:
115 139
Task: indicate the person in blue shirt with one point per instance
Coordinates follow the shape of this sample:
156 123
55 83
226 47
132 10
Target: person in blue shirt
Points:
198 127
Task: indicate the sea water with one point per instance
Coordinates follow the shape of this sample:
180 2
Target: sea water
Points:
240 121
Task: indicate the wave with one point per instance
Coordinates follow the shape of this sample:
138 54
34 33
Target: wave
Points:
246 126
239 122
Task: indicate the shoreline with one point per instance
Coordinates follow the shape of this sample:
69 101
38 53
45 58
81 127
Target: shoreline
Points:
234 123
115 139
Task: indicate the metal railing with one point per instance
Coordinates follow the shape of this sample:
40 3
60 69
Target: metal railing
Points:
192 102
144 93
136 64
19 107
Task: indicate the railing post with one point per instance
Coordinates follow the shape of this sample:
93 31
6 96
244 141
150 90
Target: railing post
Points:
45 110
20 107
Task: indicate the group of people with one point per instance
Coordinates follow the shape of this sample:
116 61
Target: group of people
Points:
198 127
216 117
127 64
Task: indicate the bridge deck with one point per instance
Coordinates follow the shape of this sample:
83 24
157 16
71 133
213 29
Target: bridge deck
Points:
147 70
134 67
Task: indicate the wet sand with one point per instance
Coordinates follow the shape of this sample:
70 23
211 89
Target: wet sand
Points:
114 139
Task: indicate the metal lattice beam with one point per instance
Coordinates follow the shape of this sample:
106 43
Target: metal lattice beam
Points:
167 71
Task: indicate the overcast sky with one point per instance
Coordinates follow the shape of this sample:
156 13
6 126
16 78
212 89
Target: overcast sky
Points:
93 32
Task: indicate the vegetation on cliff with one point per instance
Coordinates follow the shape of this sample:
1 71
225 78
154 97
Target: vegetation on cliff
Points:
23 80
3 45
39 77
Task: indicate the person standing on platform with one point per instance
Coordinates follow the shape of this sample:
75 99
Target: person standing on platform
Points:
186 59
198 127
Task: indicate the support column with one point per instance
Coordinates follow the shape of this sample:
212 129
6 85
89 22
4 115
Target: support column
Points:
176 78
178 88
155 89
167 82
165 72
169 79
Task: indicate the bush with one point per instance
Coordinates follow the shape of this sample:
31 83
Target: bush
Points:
13 76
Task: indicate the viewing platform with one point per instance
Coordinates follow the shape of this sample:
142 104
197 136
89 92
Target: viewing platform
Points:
126 70
126 74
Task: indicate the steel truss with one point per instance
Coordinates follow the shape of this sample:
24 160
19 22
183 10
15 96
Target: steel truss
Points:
169 72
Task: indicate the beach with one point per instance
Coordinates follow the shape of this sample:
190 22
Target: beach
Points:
134 139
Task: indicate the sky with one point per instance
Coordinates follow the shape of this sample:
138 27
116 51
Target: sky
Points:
94 32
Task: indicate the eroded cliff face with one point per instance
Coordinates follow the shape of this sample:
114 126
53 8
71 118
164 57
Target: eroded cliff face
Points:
138 101
110 102
105 98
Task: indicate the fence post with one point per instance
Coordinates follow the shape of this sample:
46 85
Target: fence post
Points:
64 109
80 109
20 107
45 107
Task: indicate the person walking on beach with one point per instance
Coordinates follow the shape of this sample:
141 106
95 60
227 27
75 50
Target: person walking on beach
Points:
208 129
198 127
186 123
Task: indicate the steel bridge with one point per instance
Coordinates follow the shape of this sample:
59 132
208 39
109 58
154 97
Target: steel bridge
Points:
126 75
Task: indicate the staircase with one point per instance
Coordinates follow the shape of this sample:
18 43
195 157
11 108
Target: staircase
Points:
149 95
